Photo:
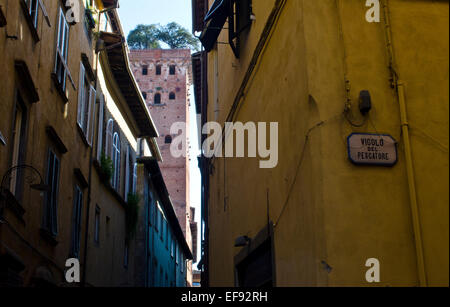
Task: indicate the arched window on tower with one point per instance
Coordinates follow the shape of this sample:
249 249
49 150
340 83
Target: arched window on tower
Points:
172 96
168 139
157 98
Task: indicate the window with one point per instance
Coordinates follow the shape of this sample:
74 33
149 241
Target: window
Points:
134 185
109 138
100 127
172 69
76 222
155 272
125 256
50 220
166 239
33 10
62 43
116 161
18 139
172 96
144 94
127 174
97 225
151 213
158 218
168 139
145 70
86 105
158 70
157 98
255 269
163 227
182 263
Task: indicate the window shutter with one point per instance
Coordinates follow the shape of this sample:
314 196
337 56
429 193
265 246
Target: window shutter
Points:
91 110
127 173
100 127
81 96
55 188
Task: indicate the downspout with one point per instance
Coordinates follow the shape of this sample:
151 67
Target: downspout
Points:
91 163
400 87
411 185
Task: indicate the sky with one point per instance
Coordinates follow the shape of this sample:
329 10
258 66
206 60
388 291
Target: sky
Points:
135 12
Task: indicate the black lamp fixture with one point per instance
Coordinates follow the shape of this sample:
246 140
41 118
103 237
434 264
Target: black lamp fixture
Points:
365 102
34 179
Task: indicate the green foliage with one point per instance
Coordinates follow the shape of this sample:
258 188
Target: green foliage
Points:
106 167
144 37
177 37
151 37
132 215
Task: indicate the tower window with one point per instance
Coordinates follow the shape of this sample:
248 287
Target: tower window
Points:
157 99
145 70
168 139
144 95
158 70
172 69
172 96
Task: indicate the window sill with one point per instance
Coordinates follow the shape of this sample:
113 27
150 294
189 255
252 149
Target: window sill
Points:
48 236
83 136
59 88
158 105
33 30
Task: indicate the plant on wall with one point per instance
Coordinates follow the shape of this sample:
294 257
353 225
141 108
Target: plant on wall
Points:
106 168
132 215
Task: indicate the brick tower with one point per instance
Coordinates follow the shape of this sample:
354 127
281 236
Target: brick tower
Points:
165 77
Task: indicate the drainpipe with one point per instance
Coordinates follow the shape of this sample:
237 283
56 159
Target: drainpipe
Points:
91 164
400 86
411 185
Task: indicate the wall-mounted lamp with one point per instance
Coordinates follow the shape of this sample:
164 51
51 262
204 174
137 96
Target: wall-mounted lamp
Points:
365 102
242 241
34 179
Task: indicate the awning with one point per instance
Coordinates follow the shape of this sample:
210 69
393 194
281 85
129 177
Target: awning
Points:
119 65
215 20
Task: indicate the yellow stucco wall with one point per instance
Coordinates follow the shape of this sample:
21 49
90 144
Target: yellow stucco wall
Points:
105 260
50 110
335 212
